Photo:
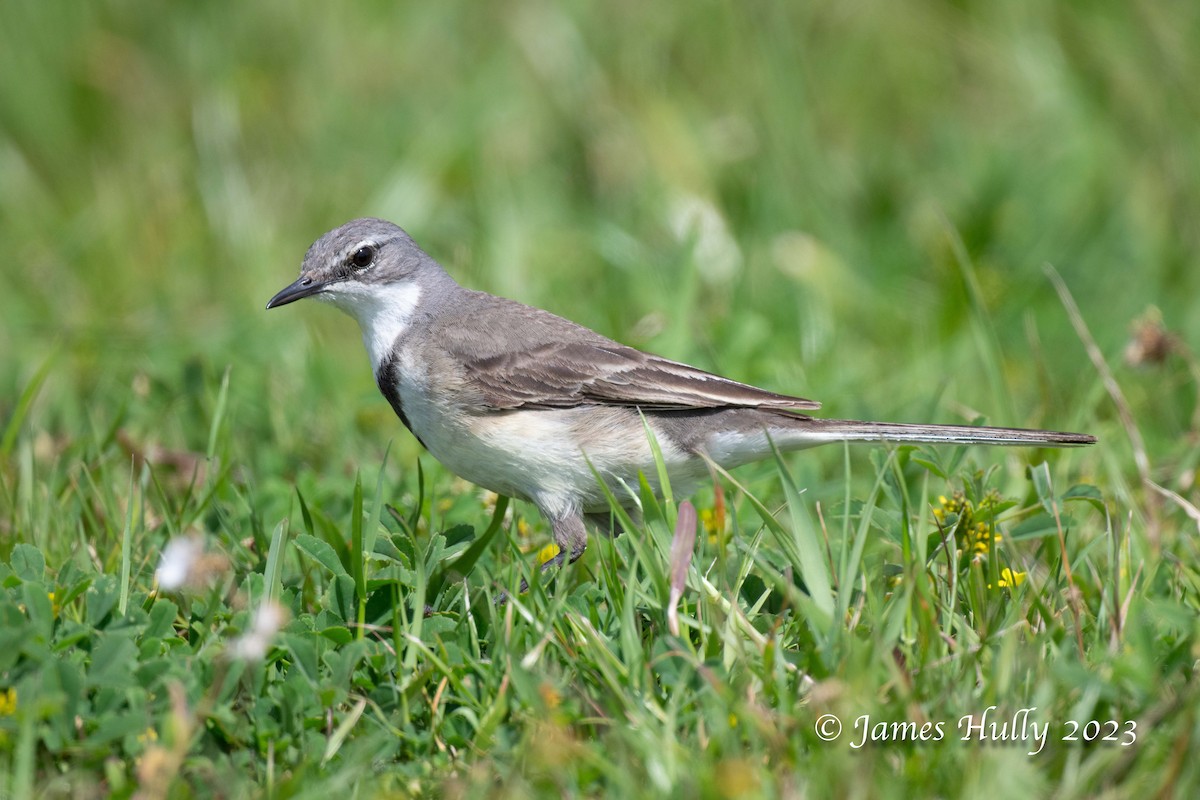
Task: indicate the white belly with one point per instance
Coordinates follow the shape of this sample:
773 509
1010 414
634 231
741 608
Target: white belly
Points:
548 456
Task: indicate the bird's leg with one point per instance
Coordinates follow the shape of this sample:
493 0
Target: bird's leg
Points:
570 535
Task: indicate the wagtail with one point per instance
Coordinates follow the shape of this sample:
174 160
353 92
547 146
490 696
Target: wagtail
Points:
532 406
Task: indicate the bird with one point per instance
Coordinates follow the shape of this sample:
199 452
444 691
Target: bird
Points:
532 406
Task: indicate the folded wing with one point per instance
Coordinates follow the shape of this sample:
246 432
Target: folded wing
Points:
533 359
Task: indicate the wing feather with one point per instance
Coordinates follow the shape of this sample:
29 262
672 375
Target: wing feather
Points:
533 359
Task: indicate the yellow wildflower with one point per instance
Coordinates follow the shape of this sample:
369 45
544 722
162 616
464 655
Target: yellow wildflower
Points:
1011 579
550 695
548 552
712 522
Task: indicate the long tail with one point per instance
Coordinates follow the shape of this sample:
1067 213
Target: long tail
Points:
849 430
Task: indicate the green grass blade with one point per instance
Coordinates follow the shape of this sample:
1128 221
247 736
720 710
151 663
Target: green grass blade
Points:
372 529
416 601
127 542
342 732
358 557
660 466
466 562
25 756
305 516
852 563
218 414
415 516
982 328
618 510
273 572
810 555
24 403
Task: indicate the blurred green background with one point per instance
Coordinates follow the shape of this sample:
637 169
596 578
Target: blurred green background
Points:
772 190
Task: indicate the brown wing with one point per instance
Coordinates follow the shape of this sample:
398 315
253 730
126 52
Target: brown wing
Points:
532 359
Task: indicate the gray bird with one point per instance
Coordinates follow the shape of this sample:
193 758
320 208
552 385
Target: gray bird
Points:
533 406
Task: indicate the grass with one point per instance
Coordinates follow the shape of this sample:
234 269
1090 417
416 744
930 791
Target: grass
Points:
852 202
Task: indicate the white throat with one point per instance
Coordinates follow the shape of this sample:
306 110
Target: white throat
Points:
383 311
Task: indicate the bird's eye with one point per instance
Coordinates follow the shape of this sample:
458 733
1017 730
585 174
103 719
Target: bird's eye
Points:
363 256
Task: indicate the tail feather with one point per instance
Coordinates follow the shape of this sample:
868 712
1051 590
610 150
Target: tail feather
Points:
818 431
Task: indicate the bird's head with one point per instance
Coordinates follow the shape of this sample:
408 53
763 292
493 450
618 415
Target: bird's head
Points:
359 265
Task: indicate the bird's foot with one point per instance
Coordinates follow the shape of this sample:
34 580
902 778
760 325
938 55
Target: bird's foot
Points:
557 561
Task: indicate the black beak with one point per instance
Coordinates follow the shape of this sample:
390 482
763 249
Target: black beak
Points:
303 287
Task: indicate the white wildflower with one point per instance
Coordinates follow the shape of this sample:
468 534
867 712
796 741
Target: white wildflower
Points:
266 621
181 559
716 254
